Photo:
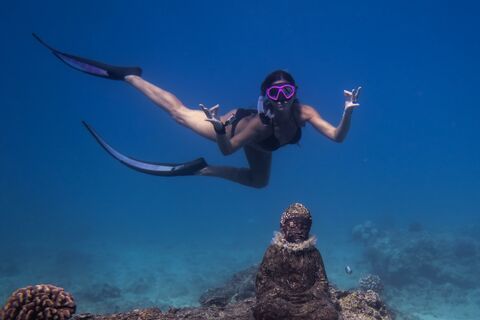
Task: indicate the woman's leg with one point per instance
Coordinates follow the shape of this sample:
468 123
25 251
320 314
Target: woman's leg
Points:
257 175
193 119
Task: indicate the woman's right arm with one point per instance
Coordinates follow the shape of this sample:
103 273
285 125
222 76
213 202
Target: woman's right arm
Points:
241 138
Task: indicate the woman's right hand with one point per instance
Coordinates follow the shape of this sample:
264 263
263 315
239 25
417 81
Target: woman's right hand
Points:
212 117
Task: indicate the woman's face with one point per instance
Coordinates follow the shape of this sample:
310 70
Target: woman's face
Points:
283 103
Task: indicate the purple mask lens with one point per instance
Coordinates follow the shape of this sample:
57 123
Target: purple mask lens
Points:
288 91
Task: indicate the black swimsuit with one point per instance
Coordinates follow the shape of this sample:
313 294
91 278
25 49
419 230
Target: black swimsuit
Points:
270 143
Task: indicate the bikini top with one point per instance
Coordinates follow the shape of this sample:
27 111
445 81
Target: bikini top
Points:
271 143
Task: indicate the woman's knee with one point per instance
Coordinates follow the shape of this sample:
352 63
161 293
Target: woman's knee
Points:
184 116
259 180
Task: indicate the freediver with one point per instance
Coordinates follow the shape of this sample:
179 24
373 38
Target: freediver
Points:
277 121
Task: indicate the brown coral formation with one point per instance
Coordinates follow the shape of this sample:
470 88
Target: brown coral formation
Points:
40 302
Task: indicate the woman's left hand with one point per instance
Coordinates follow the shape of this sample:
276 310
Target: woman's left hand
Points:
351 98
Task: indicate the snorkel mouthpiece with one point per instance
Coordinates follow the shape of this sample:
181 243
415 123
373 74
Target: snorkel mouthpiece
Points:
261 108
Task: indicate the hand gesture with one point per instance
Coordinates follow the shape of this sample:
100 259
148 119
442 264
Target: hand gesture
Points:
351 98
212 116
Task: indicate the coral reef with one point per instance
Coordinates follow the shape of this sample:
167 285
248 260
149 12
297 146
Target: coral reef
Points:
354 305
403 257
290 283
43 301
371 282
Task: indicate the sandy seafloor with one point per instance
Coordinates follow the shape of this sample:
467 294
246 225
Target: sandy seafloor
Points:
106 278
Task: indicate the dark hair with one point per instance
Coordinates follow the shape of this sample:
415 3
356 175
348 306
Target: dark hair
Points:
276 76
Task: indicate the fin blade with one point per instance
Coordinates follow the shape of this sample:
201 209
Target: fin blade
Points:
92 67
158 169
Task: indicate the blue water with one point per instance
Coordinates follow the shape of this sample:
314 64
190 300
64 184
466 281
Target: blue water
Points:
412 153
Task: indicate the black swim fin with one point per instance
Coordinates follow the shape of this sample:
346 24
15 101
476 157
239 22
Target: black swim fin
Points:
92 67
158 169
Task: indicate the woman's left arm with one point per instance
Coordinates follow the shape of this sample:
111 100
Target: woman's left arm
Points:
338 133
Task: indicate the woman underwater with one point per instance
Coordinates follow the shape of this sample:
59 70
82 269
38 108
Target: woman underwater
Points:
276 122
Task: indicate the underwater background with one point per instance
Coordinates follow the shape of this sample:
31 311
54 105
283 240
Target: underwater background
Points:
398 198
